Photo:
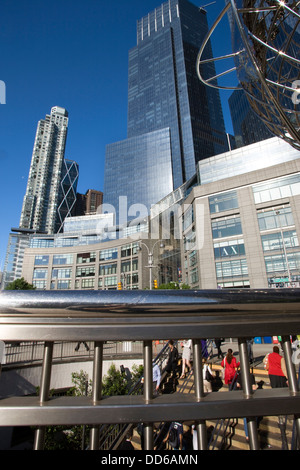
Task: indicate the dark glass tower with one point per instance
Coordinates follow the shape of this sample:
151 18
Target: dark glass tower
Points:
165 96
248 128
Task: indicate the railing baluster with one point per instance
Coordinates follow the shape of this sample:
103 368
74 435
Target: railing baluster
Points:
291 373
96 391
248 392
148 392
39 439
199 391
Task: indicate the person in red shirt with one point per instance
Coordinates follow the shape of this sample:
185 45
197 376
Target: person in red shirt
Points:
230 365
275 366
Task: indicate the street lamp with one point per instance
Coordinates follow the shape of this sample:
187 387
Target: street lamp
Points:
150 257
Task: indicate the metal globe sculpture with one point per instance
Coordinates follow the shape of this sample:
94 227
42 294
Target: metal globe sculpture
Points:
265 37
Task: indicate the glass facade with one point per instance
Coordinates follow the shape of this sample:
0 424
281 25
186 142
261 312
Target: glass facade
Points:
164 93
67 192
277 189
223 202
275 241
271 218
248 129
140 169
232 268
246 159
226 227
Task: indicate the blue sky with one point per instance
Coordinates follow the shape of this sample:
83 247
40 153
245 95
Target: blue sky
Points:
74 54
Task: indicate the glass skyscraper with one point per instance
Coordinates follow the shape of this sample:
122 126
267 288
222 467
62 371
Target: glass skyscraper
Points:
248 127
174 121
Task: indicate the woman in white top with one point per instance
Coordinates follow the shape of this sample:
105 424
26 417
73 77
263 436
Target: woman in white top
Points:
207 387
186 356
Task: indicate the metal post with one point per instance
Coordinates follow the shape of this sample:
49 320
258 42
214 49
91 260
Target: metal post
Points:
199 391
291 375
96 391
86 386
148 392
248 392
39 438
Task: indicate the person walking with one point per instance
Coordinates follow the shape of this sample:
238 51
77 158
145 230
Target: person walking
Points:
156 377
218 342
230 366
276 368
207 377
186 356
172 361
175 436
275 365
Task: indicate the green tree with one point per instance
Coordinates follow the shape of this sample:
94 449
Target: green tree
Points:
114 383
20 284
174 285
82 386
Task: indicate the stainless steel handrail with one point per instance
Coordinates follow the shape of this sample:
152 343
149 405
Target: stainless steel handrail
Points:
146 316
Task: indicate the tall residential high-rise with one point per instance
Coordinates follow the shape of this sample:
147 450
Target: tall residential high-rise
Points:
52 182
51 190
174 121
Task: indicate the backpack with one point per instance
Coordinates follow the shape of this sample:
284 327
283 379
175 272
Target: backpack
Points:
173 436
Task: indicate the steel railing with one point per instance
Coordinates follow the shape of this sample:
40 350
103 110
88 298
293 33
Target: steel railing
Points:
100 316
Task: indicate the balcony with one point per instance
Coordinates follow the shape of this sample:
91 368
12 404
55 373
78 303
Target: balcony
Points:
146 316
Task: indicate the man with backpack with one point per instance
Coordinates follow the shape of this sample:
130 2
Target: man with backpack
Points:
175 435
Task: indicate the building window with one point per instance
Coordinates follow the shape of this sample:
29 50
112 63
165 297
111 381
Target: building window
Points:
126 266
63 285
277 189
41 260
227 227
86 258
40 273
273 241
39 285
86 271
223 202
280 263
190 240
273 218
108 254
41 243
105 269
63 259
188 218
88 283
110 281
129 250
194 276
61 273
232 268
234 284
